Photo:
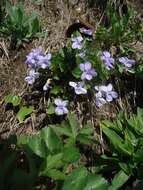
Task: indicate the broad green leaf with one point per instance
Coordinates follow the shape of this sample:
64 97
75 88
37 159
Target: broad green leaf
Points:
51 162
96 182
56 174
51 109
23 112
62 129
56 90
70 154
138 155
54 161
51 139
74 124
76 180
23 140
88 129
119 179
84 139
37 146
76 73
13 99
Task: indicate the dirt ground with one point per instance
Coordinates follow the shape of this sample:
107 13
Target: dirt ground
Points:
56 16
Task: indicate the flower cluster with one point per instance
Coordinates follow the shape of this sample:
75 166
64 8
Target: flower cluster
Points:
108 60
38 59
105 94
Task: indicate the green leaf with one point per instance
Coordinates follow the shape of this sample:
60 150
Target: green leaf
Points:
62 129
76 72
56 90
88 129
37 146
117 141
23 112
51 109
51 139
15 100
119 179
96 182
71 154
56 174
74 124
23 140
84 139
76 180
51 162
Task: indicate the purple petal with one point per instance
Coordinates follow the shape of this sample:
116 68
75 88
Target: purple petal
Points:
75 45
106 54
87 66
100 102
58 102
109 98
79 38
87 31
82 67
114 94
80 90
109 87
65 103
88 76
65 110
30 80
59 111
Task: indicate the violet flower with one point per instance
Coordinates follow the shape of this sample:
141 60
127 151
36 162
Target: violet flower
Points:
100 101
78 87
77 42
105 94
61 108
38 59
30 79
32 58
88 72
127 62
87 31
44 61
108 60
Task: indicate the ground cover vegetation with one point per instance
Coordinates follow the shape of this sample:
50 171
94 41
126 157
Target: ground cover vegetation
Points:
98 70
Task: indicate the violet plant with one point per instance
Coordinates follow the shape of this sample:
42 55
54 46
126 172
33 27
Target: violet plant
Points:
76 69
